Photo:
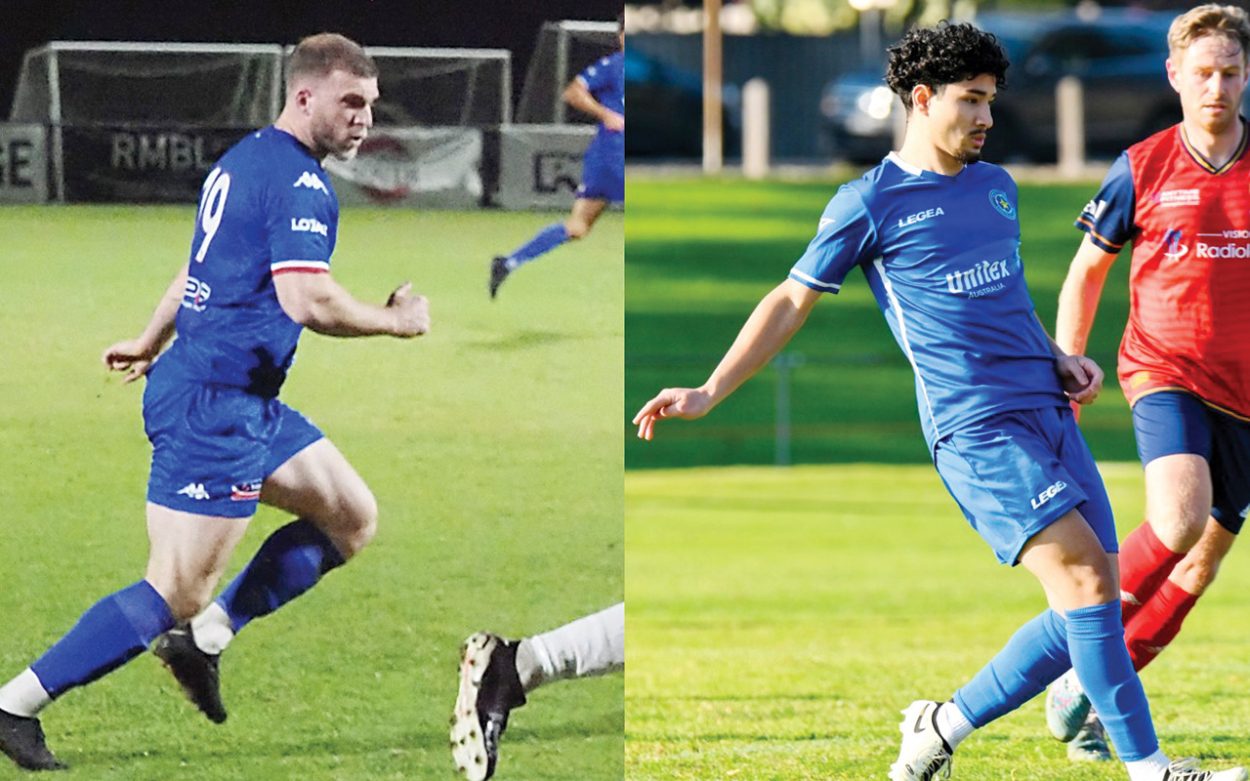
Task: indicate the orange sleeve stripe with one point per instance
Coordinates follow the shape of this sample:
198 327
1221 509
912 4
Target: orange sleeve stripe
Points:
1109 244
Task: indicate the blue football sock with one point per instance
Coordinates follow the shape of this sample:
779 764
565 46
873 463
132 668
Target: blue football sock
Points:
1101 661
112 632
1034 656
545 240
289 562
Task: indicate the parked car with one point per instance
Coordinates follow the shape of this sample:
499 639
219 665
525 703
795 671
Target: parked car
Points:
1118 56
664 117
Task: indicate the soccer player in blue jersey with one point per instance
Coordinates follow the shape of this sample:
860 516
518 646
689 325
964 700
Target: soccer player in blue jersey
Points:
258 273
600 92
937 236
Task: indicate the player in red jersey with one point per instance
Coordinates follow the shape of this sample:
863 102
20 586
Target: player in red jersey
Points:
1182 197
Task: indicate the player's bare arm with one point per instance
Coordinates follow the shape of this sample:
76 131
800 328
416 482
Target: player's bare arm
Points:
769 328
1080 376
579 97
134 356
1079 296
318 302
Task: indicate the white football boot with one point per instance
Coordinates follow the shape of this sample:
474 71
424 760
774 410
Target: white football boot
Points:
1188 770
924 754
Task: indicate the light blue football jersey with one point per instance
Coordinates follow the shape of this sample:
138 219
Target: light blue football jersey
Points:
266 208
942 257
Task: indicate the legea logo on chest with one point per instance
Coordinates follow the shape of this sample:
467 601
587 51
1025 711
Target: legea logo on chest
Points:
912 219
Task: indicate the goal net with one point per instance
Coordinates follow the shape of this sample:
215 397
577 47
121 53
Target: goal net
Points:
87 83
442 87
564 49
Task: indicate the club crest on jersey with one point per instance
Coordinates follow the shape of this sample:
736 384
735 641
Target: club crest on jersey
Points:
1002 204
1172 247
311 181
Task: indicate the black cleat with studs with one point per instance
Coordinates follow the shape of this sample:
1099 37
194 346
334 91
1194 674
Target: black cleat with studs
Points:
21 740
198 673
489 689
499 271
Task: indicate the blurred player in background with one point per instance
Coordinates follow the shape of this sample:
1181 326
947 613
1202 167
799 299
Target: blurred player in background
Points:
600 92
496 674
222 442
1182 197
936 233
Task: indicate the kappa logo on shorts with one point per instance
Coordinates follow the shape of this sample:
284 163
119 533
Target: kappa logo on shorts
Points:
1048 494
244 492
311 181
194 491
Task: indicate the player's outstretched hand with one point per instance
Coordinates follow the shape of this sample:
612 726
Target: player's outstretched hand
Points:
614 122
412 312
1081 378
688 403
132 356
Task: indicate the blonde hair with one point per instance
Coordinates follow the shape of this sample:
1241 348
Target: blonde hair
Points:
1210 19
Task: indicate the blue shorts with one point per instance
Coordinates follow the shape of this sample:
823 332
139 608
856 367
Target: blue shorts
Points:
603 175
213 446
1015 473
1172 422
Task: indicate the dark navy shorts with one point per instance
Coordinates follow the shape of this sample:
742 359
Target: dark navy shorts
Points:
603 175
1171 422
1015 473
213 446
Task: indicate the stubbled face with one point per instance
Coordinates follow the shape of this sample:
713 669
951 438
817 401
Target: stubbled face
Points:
959 117
1210 77
339 108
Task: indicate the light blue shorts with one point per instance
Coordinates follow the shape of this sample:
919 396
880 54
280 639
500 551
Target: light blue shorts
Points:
1015 473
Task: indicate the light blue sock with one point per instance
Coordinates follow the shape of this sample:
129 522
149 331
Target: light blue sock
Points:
1101 661
1034 656
290 561
544 241
112 632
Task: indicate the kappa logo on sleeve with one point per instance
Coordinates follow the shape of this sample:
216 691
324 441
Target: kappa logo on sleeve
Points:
311 181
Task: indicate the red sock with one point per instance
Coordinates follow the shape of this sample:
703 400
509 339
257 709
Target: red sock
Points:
1145 563
1157 623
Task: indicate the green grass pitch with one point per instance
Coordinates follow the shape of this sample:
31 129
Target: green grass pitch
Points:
780 619
492 444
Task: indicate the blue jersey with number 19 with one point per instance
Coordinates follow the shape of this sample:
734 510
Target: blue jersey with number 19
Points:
267 208
942 257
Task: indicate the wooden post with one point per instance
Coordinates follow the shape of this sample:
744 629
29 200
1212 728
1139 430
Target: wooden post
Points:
755 121
1070 126
713 142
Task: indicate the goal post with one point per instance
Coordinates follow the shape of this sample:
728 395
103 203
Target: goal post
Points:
564 48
